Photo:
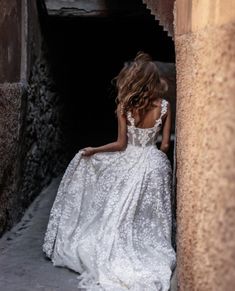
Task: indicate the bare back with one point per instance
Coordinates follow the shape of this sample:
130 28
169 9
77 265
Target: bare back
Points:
157 115
150 117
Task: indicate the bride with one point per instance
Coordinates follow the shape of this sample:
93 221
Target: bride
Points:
111 218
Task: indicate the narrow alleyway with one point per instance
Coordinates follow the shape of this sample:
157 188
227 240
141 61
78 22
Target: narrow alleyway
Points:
22 263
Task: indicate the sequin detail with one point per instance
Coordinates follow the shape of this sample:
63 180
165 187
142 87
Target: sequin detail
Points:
111 218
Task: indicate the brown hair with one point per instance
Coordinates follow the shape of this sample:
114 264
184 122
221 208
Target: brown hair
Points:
139 84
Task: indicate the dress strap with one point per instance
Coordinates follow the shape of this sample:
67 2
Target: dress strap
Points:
164 107
130 118
163 111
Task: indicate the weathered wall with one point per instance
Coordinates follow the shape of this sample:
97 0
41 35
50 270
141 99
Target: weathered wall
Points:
42 146
42 155
11 92
31 143
10 121
205 62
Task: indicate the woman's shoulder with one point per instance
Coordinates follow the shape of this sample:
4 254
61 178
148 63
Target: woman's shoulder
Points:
162 102
165 106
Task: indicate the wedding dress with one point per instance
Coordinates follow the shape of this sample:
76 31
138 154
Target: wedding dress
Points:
111 218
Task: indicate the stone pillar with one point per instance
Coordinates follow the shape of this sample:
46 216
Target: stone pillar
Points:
205 147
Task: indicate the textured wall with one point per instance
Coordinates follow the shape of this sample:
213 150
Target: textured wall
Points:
31 142
42 155
205 62
193 15
11 94
10 125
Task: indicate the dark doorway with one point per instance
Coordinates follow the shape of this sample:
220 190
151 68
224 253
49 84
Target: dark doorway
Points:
86 54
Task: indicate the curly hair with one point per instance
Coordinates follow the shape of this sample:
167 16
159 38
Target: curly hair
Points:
139 84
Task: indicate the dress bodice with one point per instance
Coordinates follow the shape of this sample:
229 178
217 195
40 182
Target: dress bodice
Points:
145 136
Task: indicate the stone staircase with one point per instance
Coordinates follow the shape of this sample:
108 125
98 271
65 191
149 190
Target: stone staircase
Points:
163 11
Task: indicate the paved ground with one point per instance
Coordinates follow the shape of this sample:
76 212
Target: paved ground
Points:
23 266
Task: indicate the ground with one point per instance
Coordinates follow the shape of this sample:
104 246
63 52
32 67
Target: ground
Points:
23 265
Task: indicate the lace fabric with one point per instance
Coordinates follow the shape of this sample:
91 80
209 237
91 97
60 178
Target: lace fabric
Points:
145 136
111 218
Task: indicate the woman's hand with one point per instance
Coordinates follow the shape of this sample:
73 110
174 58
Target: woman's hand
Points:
89 151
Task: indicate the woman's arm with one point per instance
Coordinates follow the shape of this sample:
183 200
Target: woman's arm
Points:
166 133
118 145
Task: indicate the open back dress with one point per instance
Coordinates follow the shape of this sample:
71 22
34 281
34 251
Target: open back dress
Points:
111 219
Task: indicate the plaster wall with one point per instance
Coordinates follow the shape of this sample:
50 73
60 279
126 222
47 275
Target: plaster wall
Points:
205 145
192 15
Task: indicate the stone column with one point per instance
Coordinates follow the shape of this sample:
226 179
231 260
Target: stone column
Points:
205 120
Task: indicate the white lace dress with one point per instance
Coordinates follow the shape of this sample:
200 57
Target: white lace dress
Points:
111 219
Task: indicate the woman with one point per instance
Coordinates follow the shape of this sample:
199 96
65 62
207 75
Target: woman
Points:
111 219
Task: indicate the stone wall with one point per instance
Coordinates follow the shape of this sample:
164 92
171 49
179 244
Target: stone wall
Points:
10 125
43 147
31 141
11 92
205 121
